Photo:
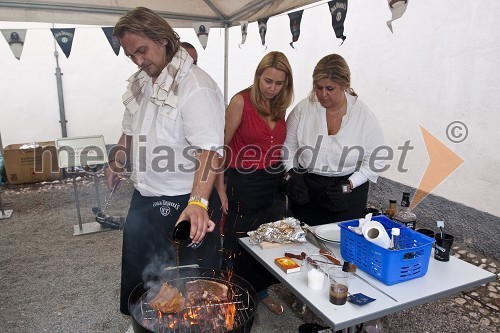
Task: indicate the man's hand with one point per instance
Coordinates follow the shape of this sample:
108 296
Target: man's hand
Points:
114 175
118 160
200 222
196 211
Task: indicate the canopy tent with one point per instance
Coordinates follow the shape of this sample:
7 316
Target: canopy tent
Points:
179 13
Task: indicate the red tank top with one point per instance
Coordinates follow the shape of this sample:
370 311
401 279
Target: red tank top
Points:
254 144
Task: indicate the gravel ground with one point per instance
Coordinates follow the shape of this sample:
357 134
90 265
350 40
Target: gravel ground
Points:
53 281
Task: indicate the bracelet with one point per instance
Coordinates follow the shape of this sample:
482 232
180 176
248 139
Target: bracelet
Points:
198 203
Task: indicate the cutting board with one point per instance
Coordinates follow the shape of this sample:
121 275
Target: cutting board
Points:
269 245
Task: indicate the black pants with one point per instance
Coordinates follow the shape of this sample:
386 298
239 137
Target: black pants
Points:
254 199
313 213
147 241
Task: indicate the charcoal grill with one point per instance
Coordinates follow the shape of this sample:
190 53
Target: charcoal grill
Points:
208 317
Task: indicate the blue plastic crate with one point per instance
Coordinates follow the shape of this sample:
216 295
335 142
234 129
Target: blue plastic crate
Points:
388 266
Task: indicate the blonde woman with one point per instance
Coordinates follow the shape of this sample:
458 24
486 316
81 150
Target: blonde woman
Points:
255 130
332 144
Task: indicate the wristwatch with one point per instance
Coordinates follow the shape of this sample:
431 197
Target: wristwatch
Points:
197 198
346 187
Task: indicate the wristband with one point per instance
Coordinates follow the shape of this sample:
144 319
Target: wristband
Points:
198 200
197 203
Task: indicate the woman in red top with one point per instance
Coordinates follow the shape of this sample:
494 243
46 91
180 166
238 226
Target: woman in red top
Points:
254 134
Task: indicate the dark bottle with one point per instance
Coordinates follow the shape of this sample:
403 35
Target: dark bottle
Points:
181 232
404 215
392 210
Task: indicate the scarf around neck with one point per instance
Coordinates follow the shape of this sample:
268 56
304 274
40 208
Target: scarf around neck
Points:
165 88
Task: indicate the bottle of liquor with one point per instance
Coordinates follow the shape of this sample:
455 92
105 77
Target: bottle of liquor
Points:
392 210
404 215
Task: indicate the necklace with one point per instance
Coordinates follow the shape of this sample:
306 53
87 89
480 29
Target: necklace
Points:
334 119
340 112
337 115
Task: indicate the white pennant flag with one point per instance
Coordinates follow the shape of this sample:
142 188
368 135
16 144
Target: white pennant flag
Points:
15 38
398 8
202 29
244 32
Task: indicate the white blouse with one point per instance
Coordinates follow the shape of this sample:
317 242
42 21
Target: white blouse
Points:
358 147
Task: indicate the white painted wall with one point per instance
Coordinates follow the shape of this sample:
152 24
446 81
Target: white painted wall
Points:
440 65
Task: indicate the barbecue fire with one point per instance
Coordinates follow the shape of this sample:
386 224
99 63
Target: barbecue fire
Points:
209 307
230 315
215 301
208 318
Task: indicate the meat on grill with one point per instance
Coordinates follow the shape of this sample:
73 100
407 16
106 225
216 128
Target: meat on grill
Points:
168 300
200 291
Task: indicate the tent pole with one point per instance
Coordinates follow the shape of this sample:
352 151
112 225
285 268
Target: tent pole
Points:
62 113
226 51
1 145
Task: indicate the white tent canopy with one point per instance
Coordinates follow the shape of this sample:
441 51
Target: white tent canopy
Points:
179 13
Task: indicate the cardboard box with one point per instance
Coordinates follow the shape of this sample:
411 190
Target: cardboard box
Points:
31 165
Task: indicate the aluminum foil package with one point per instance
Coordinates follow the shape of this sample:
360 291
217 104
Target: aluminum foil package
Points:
283 231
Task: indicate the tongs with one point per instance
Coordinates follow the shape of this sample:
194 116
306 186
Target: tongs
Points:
323 249
108 220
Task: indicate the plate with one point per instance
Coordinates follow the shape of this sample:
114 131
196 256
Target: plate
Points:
328 233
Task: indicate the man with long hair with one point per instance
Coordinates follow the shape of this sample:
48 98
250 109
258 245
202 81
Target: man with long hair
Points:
173 129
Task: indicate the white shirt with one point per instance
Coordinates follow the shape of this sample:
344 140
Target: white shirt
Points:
165 138
358 139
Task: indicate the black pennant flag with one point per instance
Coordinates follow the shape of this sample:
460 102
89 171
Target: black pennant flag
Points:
338 11
64 38
113 41
262 23
295 19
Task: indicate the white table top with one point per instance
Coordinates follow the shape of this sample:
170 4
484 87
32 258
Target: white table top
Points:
442 279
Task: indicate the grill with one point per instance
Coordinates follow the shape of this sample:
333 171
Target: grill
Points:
207 317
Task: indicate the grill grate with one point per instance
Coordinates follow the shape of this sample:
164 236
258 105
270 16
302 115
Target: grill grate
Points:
208 317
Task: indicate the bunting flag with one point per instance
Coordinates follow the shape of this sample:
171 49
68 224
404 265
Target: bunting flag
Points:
262 23
244 29
338 11
15 38
64 38
202 29
113 41
398 8
295 19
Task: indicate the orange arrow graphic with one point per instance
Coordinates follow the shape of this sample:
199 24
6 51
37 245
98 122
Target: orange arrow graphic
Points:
442 162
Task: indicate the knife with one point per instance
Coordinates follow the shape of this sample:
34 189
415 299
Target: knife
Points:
326 251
